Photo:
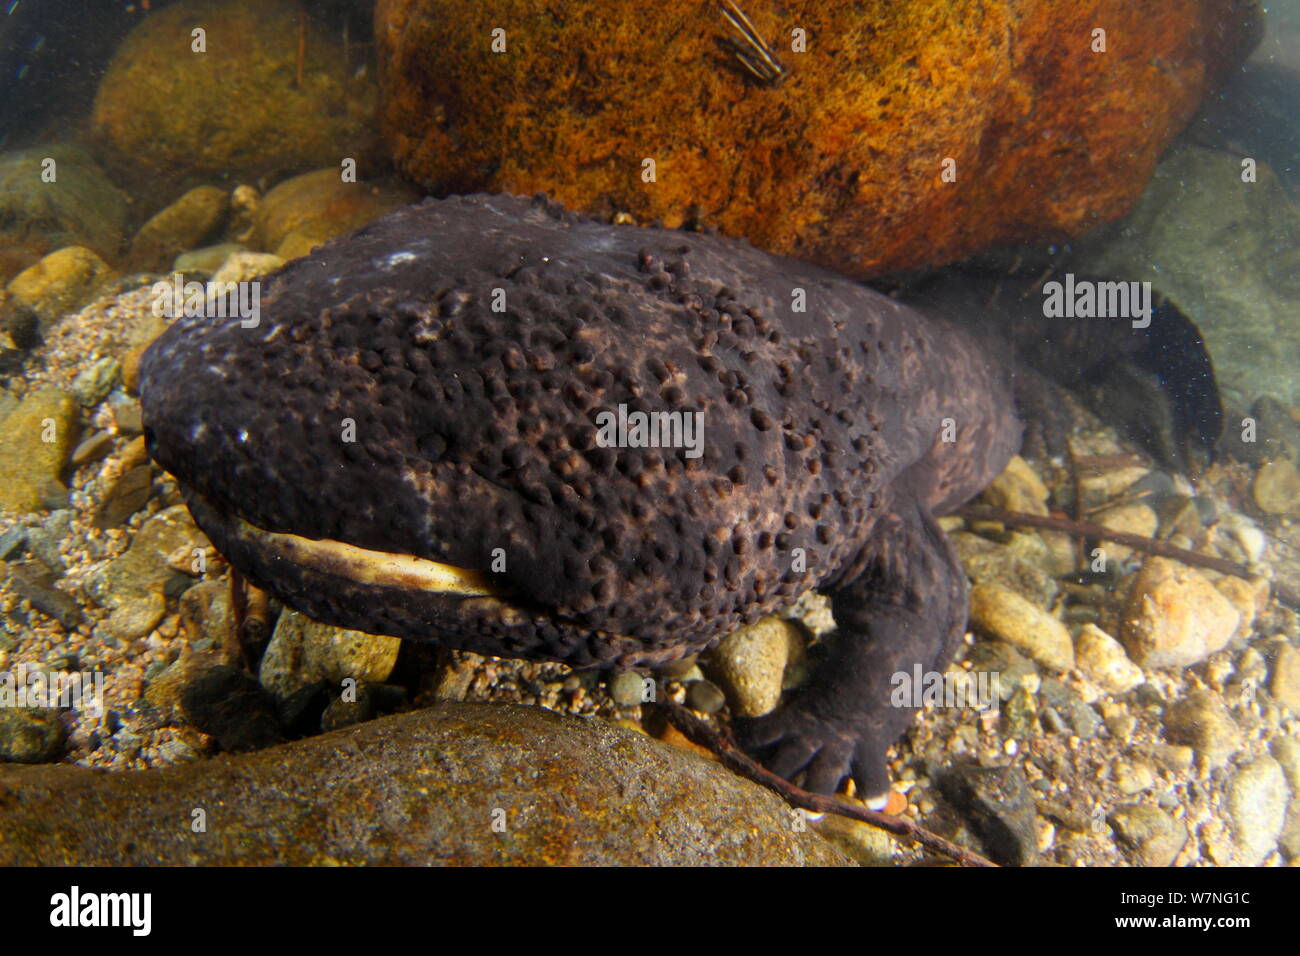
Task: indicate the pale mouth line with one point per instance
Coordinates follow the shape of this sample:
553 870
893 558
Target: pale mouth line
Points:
374 568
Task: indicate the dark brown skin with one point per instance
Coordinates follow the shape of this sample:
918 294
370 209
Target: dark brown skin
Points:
823 465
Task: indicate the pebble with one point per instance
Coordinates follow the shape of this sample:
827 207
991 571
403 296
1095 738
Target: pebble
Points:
303 651
1174 616
319 206
124 497
12 541
1252 541
97 446
1286 751
1175 758
1110 484
1257 803
1154 836
1102 659
1249 597
243 266
1285 682
1017 488
208 259
30 734
127 415
205 613
43 540
1277 488
27 461
1022 564
180 226
1082 719
1006 615
92 385
1200 721
1013 668
999 806
85 209
1132 776
133 585
628 689
705 696
1289 841
677 670
50 601
750 664
1121 724
343 713
1019 716
61 283
231 706
867 844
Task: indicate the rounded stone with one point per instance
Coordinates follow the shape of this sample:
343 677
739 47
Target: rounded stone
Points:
60 283
844 162
303 651
454 784
81 207
1257 803
237 109
750 664
1174 616
1277 488
181 226
1102 658
316 206
1031 630
35 441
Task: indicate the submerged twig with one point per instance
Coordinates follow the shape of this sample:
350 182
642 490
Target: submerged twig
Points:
699 732
751 49
1139 542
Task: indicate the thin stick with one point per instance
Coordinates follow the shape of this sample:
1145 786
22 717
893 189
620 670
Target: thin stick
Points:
699 732
302 41
1139 542
754 53
1077 514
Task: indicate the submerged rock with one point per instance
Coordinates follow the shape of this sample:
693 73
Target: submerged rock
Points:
81 207
303 652
751 661
181 226
236 108
317 206
1175 617
1227 250
35 441
849 169
60 283
454 784
1031 630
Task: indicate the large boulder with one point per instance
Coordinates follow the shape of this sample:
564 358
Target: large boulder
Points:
841 163
238 109
454 784
52 197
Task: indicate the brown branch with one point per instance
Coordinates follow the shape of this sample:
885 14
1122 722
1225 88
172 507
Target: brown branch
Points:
302 43
1139 542
700 732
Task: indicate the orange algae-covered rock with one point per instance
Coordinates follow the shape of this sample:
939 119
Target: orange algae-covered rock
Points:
842 161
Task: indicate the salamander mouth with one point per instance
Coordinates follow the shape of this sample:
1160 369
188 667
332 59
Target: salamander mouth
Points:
368 567
419 599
